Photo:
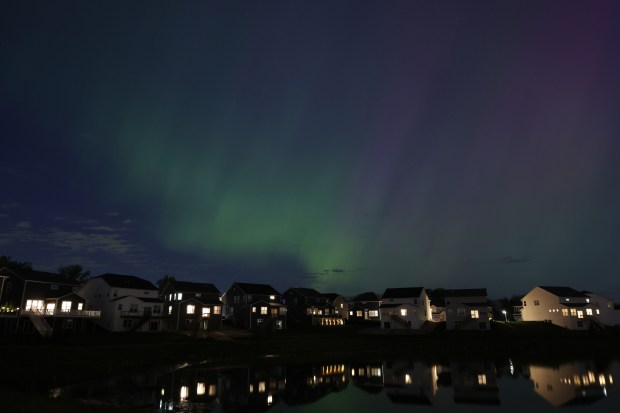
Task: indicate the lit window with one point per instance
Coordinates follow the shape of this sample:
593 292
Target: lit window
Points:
206 311
180 296
588 311
169 309
403 312
573 312
269 400
598 311
217 309
350 312
261 387
212 389
263 310
184 391
253 309
341 305
374 313
408 379
567 299
80 306
200 389
565 312
359 313
474 314
587 300
65 307
191 308
482 379
579 314
272 297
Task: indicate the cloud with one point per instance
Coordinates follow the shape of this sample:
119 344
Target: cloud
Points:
4 215
23 225
338 270
101 228
513 260
112 214
58 218
127 221
11 205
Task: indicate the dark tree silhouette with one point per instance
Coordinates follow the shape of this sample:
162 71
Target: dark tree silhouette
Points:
74 272
6 261
161 283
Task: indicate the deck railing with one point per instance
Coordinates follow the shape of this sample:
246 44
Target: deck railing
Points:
62 313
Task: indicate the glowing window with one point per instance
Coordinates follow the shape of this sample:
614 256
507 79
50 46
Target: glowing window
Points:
253 309
474 314
598 311
200 389
359 313
80 306
565 312
169 309
212 389
579 314
65 306
184 391
588 311
217 309
263 310
408 379
206 311
482 379
180 296
191 308
403 312
373 313
261 387
573 312
282 310
272 297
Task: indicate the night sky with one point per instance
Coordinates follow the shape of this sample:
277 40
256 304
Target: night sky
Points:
342 145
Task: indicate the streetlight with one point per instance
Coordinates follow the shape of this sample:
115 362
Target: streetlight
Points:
505 316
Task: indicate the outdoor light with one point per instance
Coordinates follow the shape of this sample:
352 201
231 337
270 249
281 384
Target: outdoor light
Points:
505 316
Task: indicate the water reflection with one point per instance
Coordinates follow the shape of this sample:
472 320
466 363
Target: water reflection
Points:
400 382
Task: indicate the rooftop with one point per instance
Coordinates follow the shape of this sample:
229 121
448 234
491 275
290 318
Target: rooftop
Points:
193 287
402 292
127 281
563 291
251 288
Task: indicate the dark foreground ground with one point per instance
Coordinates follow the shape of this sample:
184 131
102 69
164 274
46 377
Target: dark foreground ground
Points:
30 365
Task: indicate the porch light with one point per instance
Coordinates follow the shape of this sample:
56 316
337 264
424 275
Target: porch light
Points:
272 297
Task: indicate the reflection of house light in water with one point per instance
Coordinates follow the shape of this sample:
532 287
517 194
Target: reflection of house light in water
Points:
212 389
512 367
611 379
269 399
200 389
251 388
261 387
353 372
407 379
184 390
375 372
601 379
482 379
162 391
605 391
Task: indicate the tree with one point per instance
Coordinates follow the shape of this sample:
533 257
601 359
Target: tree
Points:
6 261
74 272
161 283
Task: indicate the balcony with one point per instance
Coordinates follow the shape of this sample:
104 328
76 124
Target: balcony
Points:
62 313
141 314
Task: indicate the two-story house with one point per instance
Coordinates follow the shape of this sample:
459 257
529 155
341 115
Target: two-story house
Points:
467 309
339 303
364 307
251 306
191 306
562 306
310 307
403 308
127 302
44 302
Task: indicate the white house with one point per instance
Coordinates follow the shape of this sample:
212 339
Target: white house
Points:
467 309
127 303
405 308
609 314
563 306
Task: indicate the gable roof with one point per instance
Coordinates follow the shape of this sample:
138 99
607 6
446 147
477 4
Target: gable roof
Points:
367 296
466 292
38 276
332 296
308 292
251 288
402 292
563 291
192 287
127 281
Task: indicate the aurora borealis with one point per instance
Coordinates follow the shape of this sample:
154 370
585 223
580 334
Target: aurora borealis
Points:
345 146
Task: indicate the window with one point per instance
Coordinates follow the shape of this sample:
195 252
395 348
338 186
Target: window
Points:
115 293
524 303
598 311
282 310
198 294
80 306
263 310
474 314
157 309
461 312
65 306
272 297
573 312
415 301
217 309
54 286
127 324
350 313
206 311
253 309
274 312
359 313
133 308
588 311
120 307
579 323
403 312
579 314
191 308
34 305
482 325
180 296
565 312
482 379
373 313
169 309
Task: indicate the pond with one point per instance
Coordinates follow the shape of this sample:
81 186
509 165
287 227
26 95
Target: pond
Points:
373 386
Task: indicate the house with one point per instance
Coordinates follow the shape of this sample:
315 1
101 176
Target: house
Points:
310 307
409 382
609 313
250 389
250 306
364 307
191 306
46 302
474 383
127 302
562 306
405 308
339 303
467 309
